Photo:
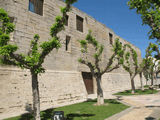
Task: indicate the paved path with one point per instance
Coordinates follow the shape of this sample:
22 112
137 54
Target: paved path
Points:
143 107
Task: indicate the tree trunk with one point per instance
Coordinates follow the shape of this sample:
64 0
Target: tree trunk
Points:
146 82
36 99
152 81
155 77
100 98
132 84
142 87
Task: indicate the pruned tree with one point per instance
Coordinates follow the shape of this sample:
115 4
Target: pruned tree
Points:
152 65
37 53
141 69
150 14
94 65
132 66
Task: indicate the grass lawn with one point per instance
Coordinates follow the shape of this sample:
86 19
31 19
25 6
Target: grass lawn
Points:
146 86
82 111
137 92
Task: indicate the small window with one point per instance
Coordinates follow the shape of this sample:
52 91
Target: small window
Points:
68 46
67 17
12 20
36 6
110 38
79 21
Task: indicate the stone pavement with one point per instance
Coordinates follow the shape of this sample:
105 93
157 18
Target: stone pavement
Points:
143 107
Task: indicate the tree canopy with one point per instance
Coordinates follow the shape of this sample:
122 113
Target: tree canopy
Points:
150 13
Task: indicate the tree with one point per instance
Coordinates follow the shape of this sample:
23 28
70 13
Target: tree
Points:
148 69
94 61
140 75
131 65
150 14
37 53
152 65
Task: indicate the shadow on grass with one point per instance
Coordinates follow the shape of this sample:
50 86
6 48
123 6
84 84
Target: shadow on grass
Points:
150 118
127 91
73 115
91 100
138 92
47 114
26 117
111 101
152 106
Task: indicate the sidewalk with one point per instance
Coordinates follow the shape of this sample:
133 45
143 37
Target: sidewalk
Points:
143 107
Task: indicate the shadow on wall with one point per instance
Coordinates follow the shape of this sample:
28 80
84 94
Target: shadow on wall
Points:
28 107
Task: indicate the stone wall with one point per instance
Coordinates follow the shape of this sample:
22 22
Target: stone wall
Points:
57 88
62 83
116 82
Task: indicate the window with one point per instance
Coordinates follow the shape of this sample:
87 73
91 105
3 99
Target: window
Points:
67 17
79 21
36 6
110 38
12 20
68 46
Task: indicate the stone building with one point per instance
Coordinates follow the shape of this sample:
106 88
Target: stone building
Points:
65 81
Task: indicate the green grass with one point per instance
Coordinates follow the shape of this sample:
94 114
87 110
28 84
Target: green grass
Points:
146 86
137 92
82 111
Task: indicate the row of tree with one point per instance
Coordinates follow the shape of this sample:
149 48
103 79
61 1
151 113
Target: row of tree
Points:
122 55
150 14
125 55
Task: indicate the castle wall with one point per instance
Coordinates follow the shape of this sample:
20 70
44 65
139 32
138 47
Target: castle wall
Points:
62 82
57 88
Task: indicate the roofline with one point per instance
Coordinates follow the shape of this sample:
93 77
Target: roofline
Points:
101 24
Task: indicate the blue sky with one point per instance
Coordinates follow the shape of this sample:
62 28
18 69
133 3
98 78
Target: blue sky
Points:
116 15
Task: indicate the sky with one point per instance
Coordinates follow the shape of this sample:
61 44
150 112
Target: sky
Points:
116 15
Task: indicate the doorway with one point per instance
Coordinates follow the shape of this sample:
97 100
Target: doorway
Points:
88 81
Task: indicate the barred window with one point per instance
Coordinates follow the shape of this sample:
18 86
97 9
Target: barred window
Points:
36 6
79 21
